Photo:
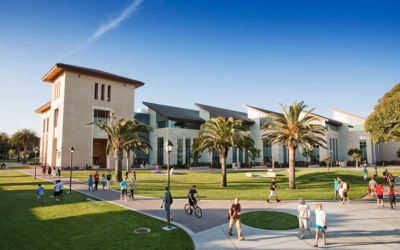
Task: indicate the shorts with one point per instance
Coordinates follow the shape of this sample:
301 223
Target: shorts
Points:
391 183
40 196
303 223
108 182
166 208
320 227
192 203
379 196
272 193
344 194
61 191
123 192
56 193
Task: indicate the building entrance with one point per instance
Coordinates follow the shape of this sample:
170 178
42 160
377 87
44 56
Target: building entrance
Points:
99 157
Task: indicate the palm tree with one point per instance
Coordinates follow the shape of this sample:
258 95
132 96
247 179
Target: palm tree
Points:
294 132
16 142
138 141
4 145
27 138
220 135
118 138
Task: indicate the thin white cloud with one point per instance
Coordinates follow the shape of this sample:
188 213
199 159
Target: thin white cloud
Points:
124 15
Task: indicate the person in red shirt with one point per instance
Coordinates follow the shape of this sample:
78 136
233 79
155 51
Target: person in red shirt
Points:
134 174
379 193
96 180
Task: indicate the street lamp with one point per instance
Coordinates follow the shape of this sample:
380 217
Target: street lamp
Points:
71 150
168 148
36 150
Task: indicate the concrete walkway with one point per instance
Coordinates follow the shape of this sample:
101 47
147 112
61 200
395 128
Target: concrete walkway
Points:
358 225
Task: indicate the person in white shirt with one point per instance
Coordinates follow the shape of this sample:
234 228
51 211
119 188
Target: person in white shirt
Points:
320 224
303 213
40 193
61 188
375 173
57 191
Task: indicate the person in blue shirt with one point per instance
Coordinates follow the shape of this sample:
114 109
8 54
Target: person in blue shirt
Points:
123 186
40 193
90 183
336 187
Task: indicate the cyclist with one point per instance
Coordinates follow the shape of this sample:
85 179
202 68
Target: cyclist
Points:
192 200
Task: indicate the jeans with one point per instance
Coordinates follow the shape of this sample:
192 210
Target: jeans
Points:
336 193
132 193
90 186
238 226
59 174
104 184
134 177
96 183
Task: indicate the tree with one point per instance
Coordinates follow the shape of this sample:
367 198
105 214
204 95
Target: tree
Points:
4 145
328 160
220 134
117 133
308 153
138 140
398 153
384 123
16 142
195 155
27 138
356 153
254 153
293 131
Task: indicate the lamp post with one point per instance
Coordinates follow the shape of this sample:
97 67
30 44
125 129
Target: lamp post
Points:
71 150
35 159
168 148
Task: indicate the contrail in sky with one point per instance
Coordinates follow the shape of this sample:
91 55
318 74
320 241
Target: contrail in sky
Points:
125 15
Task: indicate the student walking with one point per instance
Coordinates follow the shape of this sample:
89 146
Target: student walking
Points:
40 193
54 172
336 187
345 187
132 185
59 171
57 191
375 173
303 213
134 174
234 215
272 189
61 188
103 181
49 171
108 180
392 197
165 203
385 176
90 183
391 180
320 224
379 193
86 167
126 175
365 172
44 171
123 189
372 186
96 180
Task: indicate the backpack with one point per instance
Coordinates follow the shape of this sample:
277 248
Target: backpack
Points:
348 186
170 199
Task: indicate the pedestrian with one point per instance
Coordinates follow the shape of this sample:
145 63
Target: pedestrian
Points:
96 180
166 203
108 179
234 215
303 213
90 183
123 185
54 172
375 173
336 187
61 188
57 191
365 172
273 165
103 180
340 188
345 187
127 175
40 193
134 174
132 185
392 197
391 180
379 194
44 171
320 224
59 171
49 171
385 176
272 189
86 167
372 186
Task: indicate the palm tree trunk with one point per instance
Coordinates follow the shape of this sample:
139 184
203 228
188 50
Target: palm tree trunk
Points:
223 168
118 156
292 179
25 152
18 154
128 164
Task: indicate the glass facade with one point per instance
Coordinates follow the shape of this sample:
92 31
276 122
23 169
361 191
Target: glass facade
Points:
160 151
234 155
241 156
336 150
142 158
285 154
180 151
246 156
215 156
356 124
267 152
213 116
264 120
142 118
315 157
163 122
187 151
332 127
100 115
363 147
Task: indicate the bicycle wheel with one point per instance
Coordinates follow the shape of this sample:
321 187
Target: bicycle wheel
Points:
187 209
198 212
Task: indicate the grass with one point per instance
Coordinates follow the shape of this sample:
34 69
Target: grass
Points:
74 223
14 160
313 184
270 220
19 167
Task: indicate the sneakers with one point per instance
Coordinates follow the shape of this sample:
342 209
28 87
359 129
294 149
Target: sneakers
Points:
267 200
126 200
301 237
316 245
278 200
348 201
230 234
383 205
309 233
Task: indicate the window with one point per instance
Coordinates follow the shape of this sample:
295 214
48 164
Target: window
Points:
363 147
246 156
142 118
100 115
213 116
55 118
180 151
234 155
102 92
96 91
285 154
47 129
109 93
265 119
215 156
187 151
315 157
337 153
267 150
196 160
44 125
240 156
161 121
160 151
332 127
57 89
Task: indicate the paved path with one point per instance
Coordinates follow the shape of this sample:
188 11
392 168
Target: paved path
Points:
358 225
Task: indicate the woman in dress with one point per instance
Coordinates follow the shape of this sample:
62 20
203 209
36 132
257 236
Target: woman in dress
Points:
49 171
44 171
54 172
392 197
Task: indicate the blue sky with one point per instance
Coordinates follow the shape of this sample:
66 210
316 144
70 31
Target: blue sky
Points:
339 54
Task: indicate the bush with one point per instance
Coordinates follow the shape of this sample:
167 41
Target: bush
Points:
380 163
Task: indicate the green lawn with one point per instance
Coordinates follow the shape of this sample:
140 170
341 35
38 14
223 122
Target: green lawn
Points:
270 220
19 167
313 184
74 223
14 160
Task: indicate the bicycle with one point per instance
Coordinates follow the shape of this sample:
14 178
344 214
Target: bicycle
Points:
197 210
